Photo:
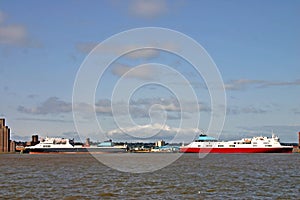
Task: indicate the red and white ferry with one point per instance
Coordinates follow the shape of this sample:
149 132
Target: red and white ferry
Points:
206 144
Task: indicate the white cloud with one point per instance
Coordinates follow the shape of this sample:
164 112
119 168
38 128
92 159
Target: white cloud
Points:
39 119
144 54
246 110
281 83
15 34
171 105
154 131
86 47
148 8
118 49
242 84
144 73
141 108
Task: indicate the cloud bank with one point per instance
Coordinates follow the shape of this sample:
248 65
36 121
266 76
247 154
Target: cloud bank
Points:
52 105
162 132
14 34
241 84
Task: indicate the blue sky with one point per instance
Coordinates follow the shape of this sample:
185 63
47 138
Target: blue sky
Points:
255 45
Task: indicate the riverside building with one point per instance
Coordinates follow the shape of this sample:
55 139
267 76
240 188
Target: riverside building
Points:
6 145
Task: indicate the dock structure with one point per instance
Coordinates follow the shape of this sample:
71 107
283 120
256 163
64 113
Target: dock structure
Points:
296 146
299 140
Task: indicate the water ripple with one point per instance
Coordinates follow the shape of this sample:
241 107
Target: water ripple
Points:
247 176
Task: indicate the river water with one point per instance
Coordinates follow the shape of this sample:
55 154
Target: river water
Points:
216 176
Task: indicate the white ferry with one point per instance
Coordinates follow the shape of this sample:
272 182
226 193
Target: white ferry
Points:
206 144
62 145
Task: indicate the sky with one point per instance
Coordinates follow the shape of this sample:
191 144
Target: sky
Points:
255 46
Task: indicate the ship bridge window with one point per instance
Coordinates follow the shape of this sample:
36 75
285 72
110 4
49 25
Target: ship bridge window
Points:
268 145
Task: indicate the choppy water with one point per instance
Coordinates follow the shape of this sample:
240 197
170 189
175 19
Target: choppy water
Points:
246 176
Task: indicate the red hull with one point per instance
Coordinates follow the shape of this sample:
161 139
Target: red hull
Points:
236 150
